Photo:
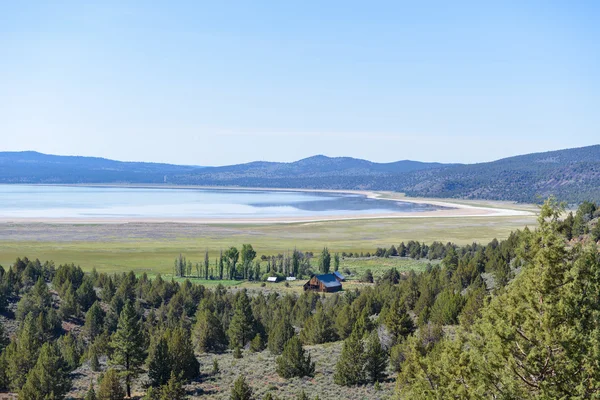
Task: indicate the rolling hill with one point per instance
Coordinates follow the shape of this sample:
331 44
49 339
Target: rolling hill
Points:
572 175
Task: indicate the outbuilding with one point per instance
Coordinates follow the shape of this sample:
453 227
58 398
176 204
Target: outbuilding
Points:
339 276
327 283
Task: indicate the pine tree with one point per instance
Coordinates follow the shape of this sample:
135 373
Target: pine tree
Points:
209 336
257 344
397 321
293 361
173 390
94 322
241 328
318 328
128 345
241 390
91 393
110 386
69 351
376 359
349 369
48 379
279 335
22 353
159 363
69 307
93 357
4 340
86 295
183 361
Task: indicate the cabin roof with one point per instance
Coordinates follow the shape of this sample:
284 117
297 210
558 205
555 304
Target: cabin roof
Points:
340 276
329 280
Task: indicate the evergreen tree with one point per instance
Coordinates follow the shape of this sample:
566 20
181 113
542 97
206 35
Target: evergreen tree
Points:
69 351
4 341
241 390
241 328
173 390
349 369
183 361
86 295
293 361
279 335
69 307
93 357
397 321
318 328
48 379
159 363
209 336
110 386
22 354
128 345
94 322
376 359
257 344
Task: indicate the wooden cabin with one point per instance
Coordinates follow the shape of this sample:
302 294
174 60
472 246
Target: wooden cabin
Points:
327 283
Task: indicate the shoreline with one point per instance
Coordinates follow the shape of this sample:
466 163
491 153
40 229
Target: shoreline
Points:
449 209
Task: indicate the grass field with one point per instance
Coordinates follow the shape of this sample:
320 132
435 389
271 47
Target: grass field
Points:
152 247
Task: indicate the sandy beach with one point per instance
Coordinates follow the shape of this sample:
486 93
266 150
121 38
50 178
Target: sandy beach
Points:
450 210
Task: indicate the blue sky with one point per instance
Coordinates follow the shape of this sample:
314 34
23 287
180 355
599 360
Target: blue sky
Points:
222 82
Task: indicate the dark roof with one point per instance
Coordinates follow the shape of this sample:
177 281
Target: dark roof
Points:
340 276
329 280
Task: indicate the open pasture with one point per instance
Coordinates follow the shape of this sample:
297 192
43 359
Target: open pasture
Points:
152 247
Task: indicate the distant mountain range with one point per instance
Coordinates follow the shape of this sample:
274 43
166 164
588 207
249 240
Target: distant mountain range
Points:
572 175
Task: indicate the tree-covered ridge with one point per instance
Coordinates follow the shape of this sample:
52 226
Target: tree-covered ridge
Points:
513 319
571 175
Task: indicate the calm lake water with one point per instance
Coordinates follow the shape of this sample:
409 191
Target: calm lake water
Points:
31 201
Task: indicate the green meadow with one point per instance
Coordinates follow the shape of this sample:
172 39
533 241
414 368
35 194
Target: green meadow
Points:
152 247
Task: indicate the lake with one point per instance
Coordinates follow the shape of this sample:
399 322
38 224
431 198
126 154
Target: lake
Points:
89 202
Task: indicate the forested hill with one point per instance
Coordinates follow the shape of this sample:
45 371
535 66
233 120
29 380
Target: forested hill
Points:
34 167
572 175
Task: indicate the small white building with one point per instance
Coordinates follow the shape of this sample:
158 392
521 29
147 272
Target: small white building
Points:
290 278
272 279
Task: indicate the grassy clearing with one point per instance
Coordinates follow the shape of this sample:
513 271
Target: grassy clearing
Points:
152 248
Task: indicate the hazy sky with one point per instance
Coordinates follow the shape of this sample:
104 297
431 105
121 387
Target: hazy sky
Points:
221 82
